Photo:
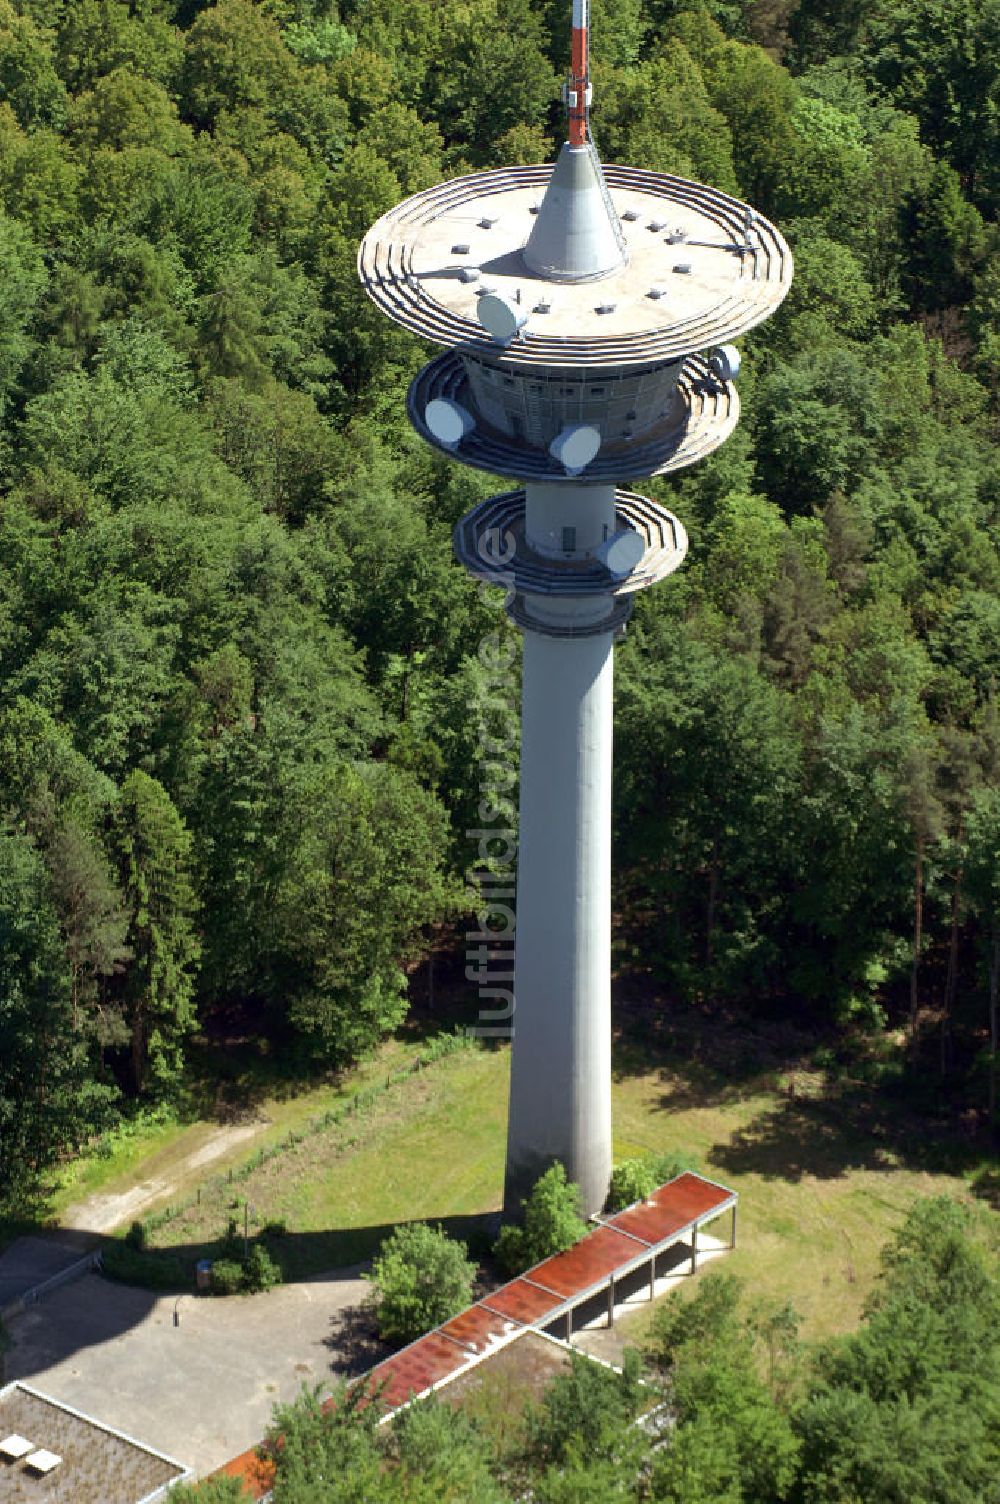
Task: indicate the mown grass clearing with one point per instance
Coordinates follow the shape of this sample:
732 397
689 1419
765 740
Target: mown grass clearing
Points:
430 1147
825 1174
815 1207
177 1153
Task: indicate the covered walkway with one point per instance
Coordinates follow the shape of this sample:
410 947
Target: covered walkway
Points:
638 1243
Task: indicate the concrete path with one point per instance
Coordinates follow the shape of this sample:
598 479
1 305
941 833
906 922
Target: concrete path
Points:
201 1391
104 1211
29 1261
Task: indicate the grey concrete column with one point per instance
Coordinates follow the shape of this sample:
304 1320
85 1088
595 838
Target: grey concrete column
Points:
560 1092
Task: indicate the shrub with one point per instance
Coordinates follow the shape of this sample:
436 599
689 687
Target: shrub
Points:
276 1229
210 1491
585 1413
260 1270
227 1277
420 1278
153 1271
443 1045
552 1222
631 1180
635 1179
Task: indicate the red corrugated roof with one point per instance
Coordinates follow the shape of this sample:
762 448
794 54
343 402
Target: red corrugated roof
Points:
257 1476
595 1258
523 1301
475 1327
671 1209
417 1368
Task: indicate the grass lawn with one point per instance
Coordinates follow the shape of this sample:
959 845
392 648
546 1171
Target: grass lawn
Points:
430 1148
170 1150
822 1181
825 1173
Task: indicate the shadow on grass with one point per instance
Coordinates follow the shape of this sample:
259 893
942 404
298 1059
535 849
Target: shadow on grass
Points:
303 1255
709 1053
848 1127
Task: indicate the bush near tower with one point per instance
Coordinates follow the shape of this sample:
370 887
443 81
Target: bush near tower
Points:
419 1279
552 1222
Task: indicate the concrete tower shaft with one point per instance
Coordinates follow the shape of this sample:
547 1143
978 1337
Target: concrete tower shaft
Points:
563 948
575 304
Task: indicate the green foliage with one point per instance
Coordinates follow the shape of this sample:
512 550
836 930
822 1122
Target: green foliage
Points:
586 1414
22 282
375 832
48 1095
940 63
911 1403
154 854
227 1277
636 1179
419 1279
239 1274
210 1491
28 78
551 1222
326 1452
733 1441
152 1271
437 1453
260 1270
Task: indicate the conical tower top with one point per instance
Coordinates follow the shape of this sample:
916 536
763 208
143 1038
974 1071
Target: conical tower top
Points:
577 236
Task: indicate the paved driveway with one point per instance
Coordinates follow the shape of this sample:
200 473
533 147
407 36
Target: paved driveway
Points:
201 1391
30 1261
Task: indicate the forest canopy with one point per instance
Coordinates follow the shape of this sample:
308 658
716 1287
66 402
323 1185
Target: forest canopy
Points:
240 688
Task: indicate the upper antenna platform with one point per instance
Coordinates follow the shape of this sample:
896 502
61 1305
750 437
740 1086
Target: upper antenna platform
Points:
690 278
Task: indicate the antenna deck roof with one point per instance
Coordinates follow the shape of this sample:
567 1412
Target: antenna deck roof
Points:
700 268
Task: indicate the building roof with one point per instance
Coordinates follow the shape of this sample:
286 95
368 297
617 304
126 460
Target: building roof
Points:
550 1289
73 1457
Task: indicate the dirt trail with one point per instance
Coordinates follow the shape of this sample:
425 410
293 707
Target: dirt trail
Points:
105 1211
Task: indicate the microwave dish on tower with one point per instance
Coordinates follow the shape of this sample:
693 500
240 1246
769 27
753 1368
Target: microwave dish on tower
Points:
589 344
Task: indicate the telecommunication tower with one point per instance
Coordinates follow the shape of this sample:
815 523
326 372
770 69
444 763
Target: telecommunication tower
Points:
585 312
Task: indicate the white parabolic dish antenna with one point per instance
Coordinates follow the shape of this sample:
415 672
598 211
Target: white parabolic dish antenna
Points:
576 446
622 553
448 421
500 317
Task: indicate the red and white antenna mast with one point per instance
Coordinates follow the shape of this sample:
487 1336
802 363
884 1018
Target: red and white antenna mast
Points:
579 83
